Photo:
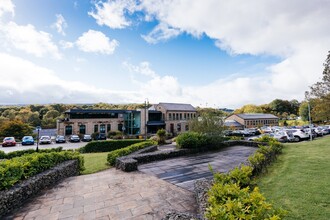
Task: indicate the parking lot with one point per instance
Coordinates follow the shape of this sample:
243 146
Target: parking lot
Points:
66 146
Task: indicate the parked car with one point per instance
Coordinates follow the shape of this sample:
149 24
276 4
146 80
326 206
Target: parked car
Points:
101 136
87 138
74 138
8 141
60 139
45 140
27 140
299 134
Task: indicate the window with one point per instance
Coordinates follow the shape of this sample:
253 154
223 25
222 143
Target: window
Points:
178 127
169 116
96 128
102 128
177 116
82 129
187 128
180 116
68 130
108 127
120 127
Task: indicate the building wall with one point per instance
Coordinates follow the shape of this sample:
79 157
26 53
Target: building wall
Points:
256 122
89 123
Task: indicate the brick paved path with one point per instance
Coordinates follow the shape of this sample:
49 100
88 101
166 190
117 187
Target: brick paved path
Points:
110 194
185 170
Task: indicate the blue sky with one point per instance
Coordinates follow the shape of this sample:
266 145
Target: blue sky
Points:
208 53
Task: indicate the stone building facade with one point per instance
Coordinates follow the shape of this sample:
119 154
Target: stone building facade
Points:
254 120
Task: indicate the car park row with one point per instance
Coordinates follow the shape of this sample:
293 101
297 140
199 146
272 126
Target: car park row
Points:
29 140
282 134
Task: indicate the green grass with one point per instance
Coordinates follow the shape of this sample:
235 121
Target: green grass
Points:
299 181
95 162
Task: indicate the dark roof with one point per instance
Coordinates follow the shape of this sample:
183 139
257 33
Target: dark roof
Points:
177 107
257 116
96 111
232 123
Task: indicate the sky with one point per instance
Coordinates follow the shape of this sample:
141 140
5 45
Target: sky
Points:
210 53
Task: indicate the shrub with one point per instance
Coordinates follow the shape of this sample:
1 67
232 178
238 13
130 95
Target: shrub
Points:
230 201
19 168
191 140
114 135
161 134
106 146
112 156
27 151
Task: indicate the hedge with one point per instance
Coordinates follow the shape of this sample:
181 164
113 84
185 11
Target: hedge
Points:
20 168
233 196
195 140
19 153
106 146
112 156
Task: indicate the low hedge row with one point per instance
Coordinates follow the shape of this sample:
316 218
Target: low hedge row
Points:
113 155
19 153
195 140
107 146
20 168
233 196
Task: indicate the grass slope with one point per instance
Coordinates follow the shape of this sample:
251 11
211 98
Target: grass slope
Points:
95 162
299 181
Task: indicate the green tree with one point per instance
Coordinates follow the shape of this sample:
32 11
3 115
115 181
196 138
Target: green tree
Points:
208 123
15 128
303 111
321 92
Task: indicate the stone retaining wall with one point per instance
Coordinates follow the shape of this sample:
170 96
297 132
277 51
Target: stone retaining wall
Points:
14 197
130 163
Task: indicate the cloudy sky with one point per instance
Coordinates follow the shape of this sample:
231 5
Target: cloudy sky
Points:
212 53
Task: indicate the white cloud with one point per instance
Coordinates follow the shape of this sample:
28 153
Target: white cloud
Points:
112 13
296 33
24 82
97 42
66 44
161 32
29 40
6 6
60 24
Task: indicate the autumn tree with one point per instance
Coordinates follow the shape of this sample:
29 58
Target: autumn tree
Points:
15 128
321 92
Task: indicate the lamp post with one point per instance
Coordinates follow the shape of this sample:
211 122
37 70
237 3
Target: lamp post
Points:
309 115
38 128
146 103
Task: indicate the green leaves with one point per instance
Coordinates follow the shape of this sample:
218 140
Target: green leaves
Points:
25 166
112 156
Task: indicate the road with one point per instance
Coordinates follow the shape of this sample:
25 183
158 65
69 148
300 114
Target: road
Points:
65 146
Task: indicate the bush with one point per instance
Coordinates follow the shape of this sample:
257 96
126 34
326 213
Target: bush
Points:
231 196
115 135
19 168
112 156
191 140
161 134
106 146
19 153
230 201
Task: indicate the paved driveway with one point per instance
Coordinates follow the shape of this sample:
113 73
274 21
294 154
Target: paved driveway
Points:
111 194
184 171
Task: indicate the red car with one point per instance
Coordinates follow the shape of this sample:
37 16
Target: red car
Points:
8 141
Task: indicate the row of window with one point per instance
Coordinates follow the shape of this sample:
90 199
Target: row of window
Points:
102 128
261 122
181 116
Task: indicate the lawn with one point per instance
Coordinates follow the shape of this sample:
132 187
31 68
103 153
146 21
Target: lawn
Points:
95 162
299 181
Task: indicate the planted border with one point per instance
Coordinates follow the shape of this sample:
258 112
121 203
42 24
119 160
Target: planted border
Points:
19 153
14 197
20 168
107 146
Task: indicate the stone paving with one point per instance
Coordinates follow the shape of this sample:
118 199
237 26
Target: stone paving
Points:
146 194
185 170
110 194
